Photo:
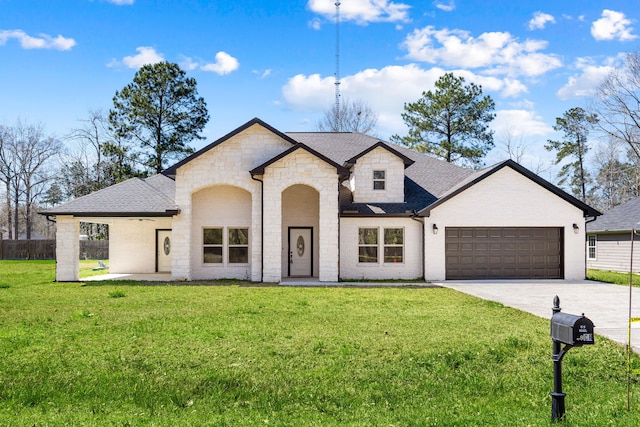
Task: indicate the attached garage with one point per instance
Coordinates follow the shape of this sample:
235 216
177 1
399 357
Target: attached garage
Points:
504 253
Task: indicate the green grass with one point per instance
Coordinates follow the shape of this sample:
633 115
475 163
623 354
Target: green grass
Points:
87 268
613 277
247 355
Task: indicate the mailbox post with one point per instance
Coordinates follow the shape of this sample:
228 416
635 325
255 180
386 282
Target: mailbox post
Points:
572 331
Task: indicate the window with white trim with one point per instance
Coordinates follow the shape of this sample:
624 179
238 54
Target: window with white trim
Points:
393 245
591 247
212 245
235 251
238 245
368 245
379 180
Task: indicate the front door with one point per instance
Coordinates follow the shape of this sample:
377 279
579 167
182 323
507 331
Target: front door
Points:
163 251
300 252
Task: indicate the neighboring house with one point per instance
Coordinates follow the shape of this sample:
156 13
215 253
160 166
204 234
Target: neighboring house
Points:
609 238
265 205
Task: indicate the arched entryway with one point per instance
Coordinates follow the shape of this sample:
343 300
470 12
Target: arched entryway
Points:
300 231
222 236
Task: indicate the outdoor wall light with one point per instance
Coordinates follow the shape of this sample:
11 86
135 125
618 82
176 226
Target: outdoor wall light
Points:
575 228
434 229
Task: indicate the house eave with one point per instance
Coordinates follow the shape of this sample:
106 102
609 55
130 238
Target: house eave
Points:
167 213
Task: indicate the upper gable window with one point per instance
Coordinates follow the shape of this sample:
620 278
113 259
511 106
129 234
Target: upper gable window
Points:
378 180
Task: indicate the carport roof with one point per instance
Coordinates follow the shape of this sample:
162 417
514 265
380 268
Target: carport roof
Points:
152 196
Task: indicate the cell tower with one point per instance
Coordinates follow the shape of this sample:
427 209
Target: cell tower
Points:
337 75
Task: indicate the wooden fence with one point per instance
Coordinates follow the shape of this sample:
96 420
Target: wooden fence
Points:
46 249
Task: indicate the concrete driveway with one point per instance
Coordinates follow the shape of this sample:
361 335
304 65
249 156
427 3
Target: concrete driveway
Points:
605 304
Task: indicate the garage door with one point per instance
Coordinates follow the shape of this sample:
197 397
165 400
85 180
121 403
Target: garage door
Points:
503 253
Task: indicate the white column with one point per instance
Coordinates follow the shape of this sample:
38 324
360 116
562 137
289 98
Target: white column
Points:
272 232
328 232
67 248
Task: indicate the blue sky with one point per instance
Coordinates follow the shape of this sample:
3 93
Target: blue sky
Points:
276 59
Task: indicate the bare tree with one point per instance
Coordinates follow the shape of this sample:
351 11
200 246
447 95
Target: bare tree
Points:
514 147
349 116
618 103
24 154
8 173
94 132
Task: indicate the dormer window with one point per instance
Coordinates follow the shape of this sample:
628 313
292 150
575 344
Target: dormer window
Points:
378 180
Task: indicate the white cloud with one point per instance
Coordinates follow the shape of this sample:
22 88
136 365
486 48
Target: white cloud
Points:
539 20
447 6
362 11
146 55
612 26
262 74
43 41
586 82
187 63
224 64
519 123
496 52
385 90
121 2
315 23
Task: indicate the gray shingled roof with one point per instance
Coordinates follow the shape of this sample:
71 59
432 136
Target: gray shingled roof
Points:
153 196
427 180
433 175
623 217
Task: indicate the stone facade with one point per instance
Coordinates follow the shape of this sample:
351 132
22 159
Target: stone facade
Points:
361 182
263 181
301 168
67 248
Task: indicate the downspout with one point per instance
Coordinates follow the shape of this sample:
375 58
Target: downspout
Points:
261 225
414 216
586 240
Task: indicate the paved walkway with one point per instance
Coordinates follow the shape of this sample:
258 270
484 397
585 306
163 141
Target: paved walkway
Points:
605 304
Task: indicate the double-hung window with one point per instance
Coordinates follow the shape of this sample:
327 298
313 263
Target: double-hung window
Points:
212 245
367 245
379 179
238 245
225 245
391 245
591 247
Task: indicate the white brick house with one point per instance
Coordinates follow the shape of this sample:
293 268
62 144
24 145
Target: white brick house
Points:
264 205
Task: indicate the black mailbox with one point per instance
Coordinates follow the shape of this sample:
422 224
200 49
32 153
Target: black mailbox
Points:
571 329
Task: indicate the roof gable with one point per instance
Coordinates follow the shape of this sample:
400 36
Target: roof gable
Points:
406 160
171 171
484 173
259 170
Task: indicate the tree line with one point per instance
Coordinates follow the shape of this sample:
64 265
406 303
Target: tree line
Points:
154 119
151 123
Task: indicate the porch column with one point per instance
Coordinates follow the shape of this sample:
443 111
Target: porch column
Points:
328 233
272 233
67 249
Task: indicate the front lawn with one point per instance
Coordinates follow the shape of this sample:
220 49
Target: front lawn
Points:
129 354
613 277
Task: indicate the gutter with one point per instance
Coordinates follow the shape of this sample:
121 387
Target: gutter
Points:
414 216
586 240
261 225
